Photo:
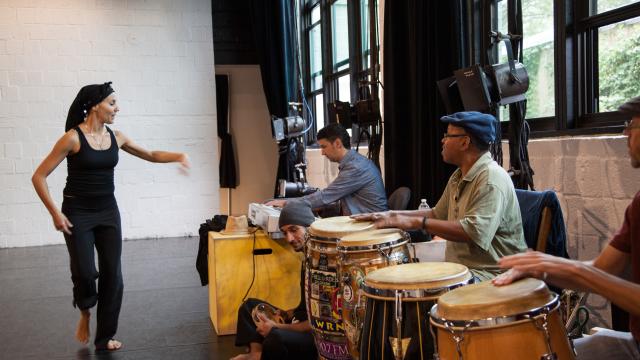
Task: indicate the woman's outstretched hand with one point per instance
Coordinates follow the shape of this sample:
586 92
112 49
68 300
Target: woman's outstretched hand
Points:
185 164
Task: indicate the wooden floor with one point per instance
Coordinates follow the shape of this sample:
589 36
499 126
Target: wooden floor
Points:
164 313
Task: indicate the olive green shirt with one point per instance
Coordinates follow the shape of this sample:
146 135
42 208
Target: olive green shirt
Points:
485 203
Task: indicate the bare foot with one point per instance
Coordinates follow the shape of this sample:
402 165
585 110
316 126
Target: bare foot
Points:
114 345
82 331
248 356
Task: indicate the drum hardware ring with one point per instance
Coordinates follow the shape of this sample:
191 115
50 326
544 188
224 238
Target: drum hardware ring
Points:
544 327
458 336
387 255
414 293
501 320
366 248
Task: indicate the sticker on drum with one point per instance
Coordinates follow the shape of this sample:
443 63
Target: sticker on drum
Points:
332 350
315 308
347 293
323 262
328 327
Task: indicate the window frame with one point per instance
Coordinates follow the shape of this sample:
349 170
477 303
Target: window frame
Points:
330 77
575 67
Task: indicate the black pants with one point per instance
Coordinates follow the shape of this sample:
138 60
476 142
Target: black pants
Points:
279 343
96 223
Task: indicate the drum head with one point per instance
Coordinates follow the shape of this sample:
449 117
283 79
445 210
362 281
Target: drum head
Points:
371 237
427 275
337 227
485 300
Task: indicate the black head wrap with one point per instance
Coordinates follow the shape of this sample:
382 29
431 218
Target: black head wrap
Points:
88 97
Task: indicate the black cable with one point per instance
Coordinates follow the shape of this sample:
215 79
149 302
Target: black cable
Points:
579 326
253 274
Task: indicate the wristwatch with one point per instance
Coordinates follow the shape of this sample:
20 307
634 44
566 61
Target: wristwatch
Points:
423 229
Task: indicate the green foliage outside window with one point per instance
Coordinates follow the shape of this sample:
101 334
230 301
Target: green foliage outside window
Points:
619 65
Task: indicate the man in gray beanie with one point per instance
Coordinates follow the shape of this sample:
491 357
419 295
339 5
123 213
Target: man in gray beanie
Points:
265 337
605 274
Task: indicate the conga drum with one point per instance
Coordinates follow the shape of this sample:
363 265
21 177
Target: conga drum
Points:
358 255
396 324
515 321
322 288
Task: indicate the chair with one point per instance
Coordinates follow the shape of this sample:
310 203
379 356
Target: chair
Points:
542 222
399 198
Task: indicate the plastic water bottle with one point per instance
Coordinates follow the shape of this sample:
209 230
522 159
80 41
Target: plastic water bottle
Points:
423 205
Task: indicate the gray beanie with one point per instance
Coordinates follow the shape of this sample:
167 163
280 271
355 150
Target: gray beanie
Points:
296 212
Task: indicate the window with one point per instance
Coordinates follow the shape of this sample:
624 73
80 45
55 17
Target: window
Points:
582 57
336 52
606 5
537 54
618 63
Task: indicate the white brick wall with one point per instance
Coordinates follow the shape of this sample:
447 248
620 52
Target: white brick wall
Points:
159 55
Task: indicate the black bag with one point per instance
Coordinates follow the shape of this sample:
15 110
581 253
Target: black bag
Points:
511 79
217 223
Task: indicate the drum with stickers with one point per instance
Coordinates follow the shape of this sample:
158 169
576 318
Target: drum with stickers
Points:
396 324
358 255
322 288
516 321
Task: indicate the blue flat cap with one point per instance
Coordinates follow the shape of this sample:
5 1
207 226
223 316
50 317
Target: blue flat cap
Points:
631 107
482 126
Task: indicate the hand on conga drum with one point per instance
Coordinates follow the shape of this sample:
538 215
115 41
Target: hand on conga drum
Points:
559 271
390 219
508 277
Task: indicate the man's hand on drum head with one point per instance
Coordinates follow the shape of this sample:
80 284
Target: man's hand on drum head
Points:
508 277
535 264
390 219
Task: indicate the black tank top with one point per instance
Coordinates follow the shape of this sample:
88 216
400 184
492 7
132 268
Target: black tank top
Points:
90 171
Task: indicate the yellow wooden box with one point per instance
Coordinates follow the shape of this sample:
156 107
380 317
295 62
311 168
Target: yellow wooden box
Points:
277 276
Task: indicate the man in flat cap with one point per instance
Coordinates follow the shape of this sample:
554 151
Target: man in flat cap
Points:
287 335
602 275
478 212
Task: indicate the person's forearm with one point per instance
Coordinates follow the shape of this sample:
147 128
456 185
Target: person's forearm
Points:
165 156
302 326
42 189
417 213
450 230
623 293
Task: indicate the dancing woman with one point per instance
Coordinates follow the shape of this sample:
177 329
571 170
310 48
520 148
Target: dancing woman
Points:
89 216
